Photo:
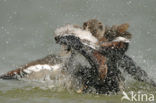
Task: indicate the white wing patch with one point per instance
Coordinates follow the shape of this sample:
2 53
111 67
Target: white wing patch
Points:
122 39
39 67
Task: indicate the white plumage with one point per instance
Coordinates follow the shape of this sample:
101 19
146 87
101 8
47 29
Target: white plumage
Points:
122 39
39 67
86 37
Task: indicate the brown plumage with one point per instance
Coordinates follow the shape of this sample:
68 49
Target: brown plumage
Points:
102 64
95 27
106 35
117 31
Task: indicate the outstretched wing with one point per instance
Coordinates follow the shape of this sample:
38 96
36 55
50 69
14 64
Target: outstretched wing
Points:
36 69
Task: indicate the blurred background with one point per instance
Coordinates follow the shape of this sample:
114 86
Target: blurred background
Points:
27 27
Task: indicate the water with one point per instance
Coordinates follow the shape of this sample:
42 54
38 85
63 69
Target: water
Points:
26 34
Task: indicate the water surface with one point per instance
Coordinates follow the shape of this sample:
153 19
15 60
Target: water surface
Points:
26 34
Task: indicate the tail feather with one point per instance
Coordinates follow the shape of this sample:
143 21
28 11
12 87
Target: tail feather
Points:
6 77
14 74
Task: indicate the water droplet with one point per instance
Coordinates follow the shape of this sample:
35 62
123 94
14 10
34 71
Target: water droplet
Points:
7 42
14 12
129 2
2 27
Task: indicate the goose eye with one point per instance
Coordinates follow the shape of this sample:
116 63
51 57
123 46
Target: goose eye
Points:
101 27
84 25
100 23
